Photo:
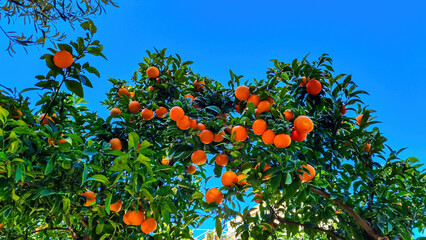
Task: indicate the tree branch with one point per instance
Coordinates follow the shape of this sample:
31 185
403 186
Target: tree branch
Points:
364 224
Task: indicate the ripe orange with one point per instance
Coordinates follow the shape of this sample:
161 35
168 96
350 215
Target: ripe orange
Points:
221 160
240 133
201 127
258 198
17 116
116 144
132 94
298 137
115 111
303 82
191 169
359 118
254 99
282 141
197 83
152 72
242 93
63 59
229 178
147 114
270 224
151 88
237 108
338 212
242 179
343 110
116 207
288 114
149 225
206 136
199 157
165 161
160 112
133 217
267 166
367 147
264 106
123 91
46 119
268 137
270 100
259 126
219 137
90 197
194 124
313 87
183 123
303 124
134 106
189 96
214 195
307 177
176 113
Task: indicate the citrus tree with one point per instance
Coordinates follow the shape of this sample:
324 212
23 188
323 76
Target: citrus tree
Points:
300 143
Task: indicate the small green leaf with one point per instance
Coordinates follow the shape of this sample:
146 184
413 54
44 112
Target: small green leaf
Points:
75 87
99 178
108 203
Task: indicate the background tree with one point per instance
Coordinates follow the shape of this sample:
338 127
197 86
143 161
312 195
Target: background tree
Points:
141 172
44 16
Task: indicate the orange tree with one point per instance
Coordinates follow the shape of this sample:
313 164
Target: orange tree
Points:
286 142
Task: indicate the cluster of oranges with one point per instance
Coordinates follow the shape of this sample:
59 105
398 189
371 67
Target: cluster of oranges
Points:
129 218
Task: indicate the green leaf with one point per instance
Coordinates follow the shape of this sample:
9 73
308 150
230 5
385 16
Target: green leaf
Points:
49 166
147 194
145 144
99 178
218 227
18 174
75 87
24 131
93 70
288 179
145 161
108 203
99 228
84 174
66 203
133 140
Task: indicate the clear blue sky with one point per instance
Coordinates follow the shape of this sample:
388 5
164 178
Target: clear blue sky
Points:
380 42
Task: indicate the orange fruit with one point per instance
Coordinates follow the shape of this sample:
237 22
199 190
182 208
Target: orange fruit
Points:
63 59
134 106
133 217
116 207
229 178
176 113
206 136
46 119
221 160
367 147
152 72
165 161
90 197
313 87
214 195
288 114
194 123
17 116
359 118
219 137
123 91
343 110
237 108
270 100
264 106
258 198
267 166
259 126
191 169
189 96
160 112
282 141
303 124
253 99
242 179
242 93
116 144
199 157
338 212
147 114
303 82
201 127
149 225
298 137
115 111
270 224
307 177
132 94
183 123
240 133
268 137
151 88
197 83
